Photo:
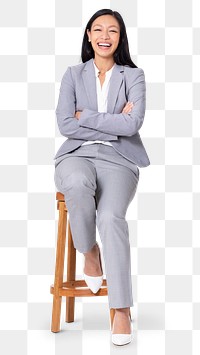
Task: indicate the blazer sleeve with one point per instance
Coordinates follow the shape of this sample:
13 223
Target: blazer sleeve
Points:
121 124
67 123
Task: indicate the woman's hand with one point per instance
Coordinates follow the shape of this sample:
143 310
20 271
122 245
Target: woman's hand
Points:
77 114
128 107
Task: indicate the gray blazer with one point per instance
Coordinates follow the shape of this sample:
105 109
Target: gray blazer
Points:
78 93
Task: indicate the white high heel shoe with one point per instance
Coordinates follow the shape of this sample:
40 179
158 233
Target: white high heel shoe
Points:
122 339
94 282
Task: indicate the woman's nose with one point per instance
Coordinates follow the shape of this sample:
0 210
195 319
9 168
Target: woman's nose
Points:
105 35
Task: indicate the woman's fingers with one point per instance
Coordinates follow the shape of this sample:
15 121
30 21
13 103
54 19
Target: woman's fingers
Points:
77 114
128 107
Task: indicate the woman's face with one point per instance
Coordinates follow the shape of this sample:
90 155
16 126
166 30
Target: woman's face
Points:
104 36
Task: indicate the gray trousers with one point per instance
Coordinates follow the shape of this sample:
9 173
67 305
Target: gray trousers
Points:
98 184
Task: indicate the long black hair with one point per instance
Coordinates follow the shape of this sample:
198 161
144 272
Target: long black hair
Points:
122 54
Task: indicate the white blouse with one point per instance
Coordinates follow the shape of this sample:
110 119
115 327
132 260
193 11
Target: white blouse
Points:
102 97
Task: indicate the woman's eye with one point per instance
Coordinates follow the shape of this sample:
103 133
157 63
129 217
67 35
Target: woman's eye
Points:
98 29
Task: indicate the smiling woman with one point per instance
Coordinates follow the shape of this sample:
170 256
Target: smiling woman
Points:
100 110
104 36
110 24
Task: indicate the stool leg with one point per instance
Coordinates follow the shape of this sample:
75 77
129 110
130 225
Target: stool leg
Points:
112 314
71 273
59 268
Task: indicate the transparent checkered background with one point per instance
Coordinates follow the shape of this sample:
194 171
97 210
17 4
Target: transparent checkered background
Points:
38 40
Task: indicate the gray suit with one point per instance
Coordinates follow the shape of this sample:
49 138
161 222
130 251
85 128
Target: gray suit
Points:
99 181
78 93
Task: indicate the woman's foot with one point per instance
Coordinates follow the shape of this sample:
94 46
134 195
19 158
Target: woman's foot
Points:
92 262
121 321
121 330
93 272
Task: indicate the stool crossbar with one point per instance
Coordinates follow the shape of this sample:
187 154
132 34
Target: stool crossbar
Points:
71 288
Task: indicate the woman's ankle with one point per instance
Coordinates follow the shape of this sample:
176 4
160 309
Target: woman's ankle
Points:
92 251
123 310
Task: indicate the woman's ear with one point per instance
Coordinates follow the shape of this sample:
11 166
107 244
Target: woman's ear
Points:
88 33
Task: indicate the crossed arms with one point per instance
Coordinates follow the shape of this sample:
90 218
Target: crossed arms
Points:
93 125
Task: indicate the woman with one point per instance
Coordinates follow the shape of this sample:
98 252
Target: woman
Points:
100 109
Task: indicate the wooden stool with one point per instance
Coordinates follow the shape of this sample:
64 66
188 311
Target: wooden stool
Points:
71 288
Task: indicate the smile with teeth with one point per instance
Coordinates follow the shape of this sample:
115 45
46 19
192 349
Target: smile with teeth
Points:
101 44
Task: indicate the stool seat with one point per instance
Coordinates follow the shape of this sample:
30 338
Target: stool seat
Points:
70 288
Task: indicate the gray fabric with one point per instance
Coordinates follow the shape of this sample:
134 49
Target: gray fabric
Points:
78 93
98 185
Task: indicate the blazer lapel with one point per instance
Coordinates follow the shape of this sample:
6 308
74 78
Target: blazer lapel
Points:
89 81
115 84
